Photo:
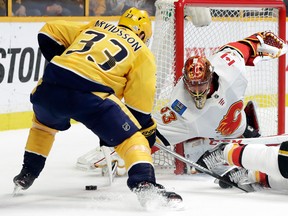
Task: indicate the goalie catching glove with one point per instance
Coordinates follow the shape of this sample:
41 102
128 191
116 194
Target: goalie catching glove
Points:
265 46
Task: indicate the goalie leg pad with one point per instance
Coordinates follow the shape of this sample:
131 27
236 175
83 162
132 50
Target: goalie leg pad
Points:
196 147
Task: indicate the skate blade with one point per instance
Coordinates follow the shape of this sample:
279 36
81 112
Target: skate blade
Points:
16 190
175 205
171 206
159 203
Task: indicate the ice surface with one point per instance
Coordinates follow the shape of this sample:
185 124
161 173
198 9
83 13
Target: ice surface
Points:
60 189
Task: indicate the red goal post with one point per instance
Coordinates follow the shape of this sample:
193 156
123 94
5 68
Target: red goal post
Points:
174 39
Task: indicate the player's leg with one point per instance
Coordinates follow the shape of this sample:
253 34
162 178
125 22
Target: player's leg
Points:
38 146
46 123
267 165
117 127
256 179
255 157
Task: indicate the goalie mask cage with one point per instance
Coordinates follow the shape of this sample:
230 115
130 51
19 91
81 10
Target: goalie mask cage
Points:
175 39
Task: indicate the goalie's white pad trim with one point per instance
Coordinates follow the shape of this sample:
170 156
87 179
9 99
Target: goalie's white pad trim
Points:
86 161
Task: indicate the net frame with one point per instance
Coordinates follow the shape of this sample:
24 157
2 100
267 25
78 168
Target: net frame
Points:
177 41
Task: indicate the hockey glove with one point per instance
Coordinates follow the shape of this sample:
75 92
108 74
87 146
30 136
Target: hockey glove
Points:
265 45
199 16
150 132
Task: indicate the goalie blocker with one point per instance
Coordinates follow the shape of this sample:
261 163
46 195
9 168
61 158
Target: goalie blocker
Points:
199 16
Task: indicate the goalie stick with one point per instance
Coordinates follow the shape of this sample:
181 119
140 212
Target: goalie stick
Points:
162 143
265 140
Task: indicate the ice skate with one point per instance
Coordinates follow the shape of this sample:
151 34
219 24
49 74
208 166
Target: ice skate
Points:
23 181
153 196
238 175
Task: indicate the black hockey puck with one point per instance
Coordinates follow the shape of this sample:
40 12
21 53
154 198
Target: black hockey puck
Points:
90 187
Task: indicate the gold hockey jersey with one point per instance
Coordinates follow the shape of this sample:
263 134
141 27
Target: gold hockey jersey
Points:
105 55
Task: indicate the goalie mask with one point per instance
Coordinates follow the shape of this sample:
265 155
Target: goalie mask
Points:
137 21
197 79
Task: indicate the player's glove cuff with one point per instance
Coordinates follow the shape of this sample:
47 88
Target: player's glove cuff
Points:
150 132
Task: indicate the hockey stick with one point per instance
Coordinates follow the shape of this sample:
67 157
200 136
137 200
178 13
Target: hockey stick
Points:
200 168
111 166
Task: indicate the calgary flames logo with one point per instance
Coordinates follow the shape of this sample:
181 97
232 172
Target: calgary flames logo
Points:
231 121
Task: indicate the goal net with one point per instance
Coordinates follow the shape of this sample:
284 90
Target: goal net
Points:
176 39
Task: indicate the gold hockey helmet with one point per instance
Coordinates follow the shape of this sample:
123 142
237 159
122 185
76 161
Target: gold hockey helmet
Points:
137 21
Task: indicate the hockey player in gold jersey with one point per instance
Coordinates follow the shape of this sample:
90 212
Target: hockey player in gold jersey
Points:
92 68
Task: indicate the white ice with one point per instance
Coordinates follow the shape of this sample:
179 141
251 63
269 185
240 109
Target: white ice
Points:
60 189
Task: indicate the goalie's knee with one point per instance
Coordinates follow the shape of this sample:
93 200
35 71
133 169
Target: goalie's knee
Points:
135 150
283 159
